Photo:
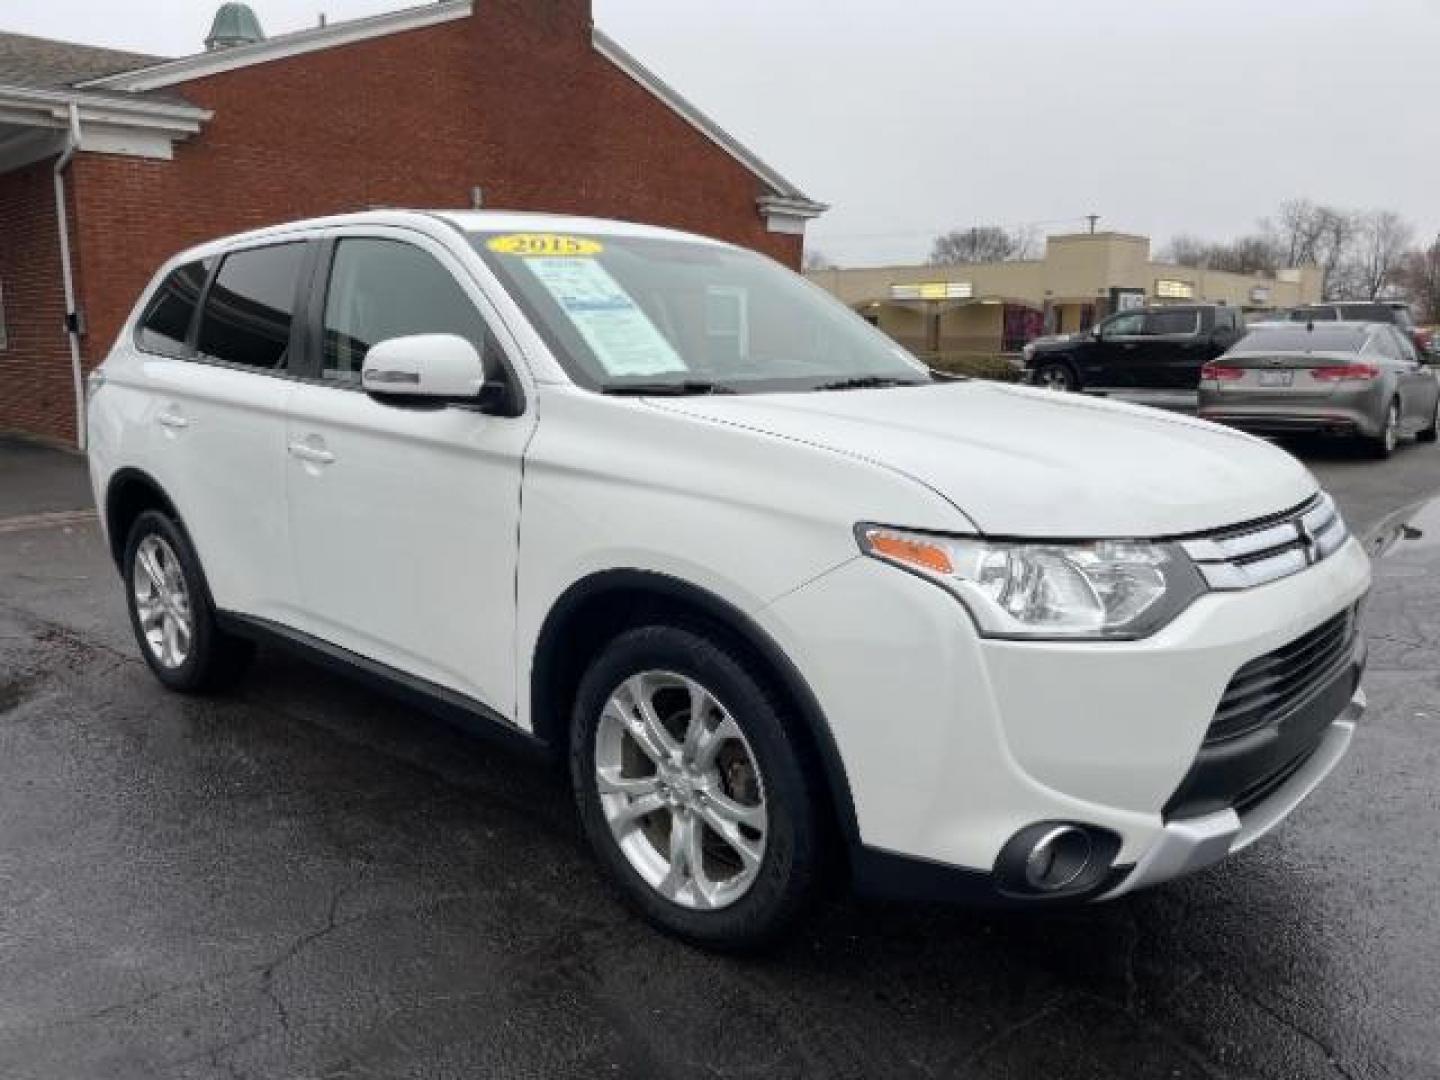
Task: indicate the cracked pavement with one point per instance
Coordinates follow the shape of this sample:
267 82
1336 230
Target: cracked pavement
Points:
305 880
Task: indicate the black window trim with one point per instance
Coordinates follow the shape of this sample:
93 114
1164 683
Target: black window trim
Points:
192 329
191 354
318 290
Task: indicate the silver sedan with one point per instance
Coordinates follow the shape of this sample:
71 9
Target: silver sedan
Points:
1351 378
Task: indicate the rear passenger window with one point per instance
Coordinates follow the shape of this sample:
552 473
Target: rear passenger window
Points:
1172 322
381 289
165 326
250 307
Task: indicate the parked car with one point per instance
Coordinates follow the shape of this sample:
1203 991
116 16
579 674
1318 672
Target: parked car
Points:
1351 378
1158 348
782 600
1394 312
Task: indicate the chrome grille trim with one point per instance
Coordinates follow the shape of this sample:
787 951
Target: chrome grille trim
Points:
1246 558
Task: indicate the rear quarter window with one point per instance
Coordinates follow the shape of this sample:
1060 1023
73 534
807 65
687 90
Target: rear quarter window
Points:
165 326
1172 322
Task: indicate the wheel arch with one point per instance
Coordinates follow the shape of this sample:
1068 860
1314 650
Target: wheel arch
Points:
1061 359
129 493
597 607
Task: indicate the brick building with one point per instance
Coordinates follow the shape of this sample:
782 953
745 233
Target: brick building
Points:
110 162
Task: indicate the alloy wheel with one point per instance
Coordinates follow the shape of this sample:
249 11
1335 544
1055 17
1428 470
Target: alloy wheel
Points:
681 790
1054 377
162 602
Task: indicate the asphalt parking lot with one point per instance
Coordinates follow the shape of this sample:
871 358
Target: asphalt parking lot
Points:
303 880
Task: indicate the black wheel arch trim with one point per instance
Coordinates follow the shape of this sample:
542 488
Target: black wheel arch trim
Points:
551 728
118 482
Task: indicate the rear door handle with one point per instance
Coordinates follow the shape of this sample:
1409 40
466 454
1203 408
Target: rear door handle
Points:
313 454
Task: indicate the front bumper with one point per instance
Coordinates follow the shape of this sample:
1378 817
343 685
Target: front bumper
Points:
1192 844
952 744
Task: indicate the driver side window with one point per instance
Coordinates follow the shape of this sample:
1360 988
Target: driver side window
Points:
381 289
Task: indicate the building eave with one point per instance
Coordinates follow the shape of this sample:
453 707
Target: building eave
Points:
109 124
203 65
785 201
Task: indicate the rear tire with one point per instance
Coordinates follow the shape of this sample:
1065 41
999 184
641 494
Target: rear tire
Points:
680 756
172 614
1432 433
1383 445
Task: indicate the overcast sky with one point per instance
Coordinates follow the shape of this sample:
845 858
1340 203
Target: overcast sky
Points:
910 118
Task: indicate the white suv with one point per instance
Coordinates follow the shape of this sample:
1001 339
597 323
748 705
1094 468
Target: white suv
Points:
787 601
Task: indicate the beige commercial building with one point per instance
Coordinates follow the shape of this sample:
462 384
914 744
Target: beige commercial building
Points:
997 307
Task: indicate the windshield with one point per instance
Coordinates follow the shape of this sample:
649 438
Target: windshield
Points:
640 313
1272 337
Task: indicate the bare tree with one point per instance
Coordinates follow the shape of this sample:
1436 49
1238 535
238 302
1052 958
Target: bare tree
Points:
817 260
1297 231
1186 250
1334 252
981 244
1383 239
1255 254
1419 277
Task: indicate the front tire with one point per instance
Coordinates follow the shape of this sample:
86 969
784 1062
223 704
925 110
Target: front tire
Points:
1056 375
691 791
171 611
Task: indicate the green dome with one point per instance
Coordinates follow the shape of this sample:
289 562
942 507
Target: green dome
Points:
235 24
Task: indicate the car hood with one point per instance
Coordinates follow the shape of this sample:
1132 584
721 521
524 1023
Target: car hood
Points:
1024 462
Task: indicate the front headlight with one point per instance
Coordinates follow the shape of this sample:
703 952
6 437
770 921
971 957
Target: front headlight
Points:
1105 589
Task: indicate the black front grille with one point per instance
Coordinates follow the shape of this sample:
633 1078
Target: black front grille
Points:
1273 684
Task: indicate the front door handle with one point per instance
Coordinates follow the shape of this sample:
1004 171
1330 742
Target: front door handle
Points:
171 419
315 455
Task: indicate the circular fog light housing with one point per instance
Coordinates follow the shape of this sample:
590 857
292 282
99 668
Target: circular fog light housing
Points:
1058 859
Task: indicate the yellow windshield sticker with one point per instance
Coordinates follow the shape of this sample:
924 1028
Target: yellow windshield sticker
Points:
544 244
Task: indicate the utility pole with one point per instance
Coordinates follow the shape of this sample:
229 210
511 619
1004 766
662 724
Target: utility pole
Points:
1092 219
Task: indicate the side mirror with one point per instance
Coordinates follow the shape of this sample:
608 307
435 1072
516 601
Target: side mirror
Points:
430 369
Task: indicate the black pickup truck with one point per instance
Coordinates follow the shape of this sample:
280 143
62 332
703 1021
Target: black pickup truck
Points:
1157 348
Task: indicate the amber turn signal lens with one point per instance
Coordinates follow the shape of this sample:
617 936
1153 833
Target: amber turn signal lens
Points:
928 557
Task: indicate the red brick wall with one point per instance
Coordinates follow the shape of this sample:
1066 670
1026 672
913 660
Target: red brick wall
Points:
513 99
36 389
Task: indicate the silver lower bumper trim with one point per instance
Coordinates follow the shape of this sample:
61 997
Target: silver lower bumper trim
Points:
1195 843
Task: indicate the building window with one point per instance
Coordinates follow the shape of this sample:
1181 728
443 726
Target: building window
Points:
1171 289
4 334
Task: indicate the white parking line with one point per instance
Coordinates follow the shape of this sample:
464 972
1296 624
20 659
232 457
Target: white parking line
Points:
54 520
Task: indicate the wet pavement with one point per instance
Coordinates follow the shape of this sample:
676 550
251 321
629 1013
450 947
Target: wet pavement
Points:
303 880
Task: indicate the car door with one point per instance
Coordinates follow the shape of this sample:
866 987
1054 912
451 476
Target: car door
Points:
1173 350
1114 355
218 410
404 520
1418 387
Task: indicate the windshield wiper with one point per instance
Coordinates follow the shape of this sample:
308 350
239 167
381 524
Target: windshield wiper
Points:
864 382
668 389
